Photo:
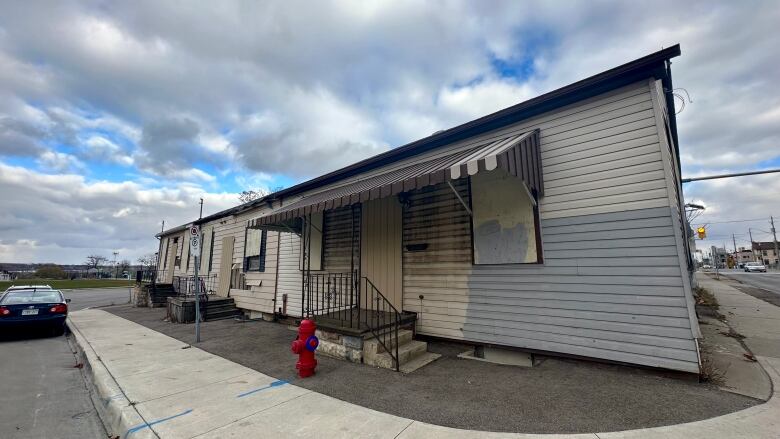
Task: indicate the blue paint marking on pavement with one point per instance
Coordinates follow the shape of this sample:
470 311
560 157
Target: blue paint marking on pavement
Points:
274 384
149 424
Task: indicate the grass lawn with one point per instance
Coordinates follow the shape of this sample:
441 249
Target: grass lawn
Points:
69 284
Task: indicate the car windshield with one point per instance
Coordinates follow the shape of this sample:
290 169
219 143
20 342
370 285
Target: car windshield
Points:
754 264
31 296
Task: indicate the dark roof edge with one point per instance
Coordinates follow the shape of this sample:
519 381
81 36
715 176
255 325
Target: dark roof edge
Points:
653 64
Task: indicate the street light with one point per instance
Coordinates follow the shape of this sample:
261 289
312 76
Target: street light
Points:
115 254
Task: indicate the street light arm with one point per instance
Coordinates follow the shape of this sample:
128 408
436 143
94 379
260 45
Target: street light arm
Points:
738 174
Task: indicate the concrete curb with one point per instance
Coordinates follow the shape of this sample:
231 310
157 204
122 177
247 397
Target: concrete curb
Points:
114 409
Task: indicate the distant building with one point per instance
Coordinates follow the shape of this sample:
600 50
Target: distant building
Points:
719 257
765 252
743 255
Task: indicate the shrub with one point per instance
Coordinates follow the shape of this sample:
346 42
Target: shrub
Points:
50 271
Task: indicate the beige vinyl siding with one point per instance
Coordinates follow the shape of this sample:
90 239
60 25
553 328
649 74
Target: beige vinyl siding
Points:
261 285
260 296
289 274
381 247
436 278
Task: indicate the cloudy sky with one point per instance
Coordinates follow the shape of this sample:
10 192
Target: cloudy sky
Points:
115 116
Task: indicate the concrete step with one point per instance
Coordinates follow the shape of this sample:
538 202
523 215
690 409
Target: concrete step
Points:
372 346
221 308
406 353
420 361
229 314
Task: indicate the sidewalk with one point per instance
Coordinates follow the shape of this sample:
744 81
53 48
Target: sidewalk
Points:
754 318
148 385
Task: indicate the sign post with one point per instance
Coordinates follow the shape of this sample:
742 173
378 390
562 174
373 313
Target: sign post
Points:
195 250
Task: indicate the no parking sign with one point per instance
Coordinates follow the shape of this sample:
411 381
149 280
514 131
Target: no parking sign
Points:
195 240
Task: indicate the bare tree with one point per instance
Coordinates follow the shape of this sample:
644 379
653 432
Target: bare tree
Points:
122 266
251 195
148 261
95 261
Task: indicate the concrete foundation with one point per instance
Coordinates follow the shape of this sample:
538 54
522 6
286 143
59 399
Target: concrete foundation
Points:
499 356
340 346
139 297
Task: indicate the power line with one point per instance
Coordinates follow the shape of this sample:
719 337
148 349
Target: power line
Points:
730 221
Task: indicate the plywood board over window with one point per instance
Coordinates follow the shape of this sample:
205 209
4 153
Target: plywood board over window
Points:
504 220
255 249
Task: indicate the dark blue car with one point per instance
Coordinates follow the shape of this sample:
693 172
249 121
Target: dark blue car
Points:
33 308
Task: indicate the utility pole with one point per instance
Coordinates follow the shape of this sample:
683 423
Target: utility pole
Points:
774 236
201 209
115 253
734 241
752 253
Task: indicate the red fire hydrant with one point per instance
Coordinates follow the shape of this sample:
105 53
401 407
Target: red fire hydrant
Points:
305 346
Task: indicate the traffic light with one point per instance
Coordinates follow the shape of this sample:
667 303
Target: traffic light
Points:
702 232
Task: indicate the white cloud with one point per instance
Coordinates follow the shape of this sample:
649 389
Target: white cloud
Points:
62 218
59 162
100 148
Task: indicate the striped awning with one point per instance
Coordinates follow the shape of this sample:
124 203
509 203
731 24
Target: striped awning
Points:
517 154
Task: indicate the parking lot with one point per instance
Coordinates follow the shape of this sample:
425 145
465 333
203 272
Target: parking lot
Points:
44 394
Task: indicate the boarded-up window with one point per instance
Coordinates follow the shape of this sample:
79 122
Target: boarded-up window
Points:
312 242
177 259
504 220
165 258
211 250
254 249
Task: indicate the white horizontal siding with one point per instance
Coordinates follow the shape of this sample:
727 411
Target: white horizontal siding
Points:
289 282
262 285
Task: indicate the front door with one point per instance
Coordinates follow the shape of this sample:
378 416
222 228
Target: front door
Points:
380 252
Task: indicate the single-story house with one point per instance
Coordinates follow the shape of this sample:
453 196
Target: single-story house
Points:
555 225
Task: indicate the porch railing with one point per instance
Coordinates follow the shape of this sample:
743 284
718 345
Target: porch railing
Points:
355 303
185 285
151 276
333 295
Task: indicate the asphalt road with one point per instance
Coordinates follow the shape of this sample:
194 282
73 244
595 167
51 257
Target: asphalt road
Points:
768 281
96 297
42 392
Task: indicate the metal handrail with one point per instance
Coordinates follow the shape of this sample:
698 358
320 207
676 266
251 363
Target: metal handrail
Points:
379 329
